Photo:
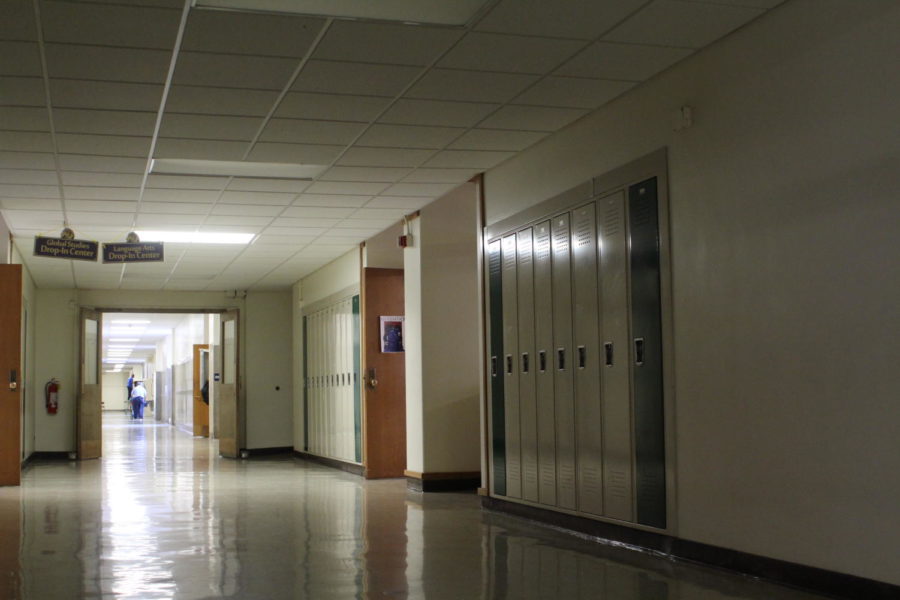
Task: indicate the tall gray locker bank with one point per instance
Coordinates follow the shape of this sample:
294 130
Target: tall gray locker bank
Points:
579 340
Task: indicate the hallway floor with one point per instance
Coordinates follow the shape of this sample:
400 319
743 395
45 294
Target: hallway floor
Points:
160 516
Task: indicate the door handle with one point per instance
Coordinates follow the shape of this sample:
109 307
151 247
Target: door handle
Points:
372 379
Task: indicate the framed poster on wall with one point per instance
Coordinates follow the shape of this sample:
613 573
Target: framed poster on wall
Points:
391 334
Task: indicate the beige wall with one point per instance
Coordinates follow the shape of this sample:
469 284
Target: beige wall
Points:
786 270
31 386
442 336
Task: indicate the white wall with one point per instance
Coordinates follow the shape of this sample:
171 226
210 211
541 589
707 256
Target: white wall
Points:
443 375
786 271
381 250
269 407
191 330
115 390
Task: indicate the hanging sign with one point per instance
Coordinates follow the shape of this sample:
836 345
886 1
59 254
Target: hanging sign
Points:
62 248
133 252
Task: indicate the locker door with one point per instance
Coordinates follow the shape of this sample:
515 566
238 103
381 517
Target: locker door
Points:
585 360
561 362
646 331
495 368
618 484
525 358
543 364
510 370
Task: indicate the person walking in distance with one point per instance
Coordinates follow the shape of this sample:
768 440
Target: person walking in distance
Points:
138 400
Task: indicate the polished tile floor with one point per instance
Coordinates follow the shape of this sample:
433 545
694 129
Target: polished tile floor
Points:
160 516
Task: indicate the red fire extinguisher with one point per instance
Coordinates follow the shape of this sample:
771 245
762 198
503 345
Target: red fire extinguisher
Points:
51 396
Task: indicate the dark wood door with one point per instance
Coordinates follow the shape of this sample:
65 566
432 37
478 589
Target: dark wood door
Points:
11 369
384 377
201 408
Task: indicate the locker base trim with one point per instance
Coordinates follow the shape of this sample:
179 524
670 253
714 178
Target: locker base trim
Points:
331 462
442 482
44 455
808 578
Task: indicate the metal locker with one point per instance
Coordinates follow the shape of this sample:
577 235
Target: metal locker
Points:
510 370
646 333
525 358
561 362
618 486
495 368
585 359
543 365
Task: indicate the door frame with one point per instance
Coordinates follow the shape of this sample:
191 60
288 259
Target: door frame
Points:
200 352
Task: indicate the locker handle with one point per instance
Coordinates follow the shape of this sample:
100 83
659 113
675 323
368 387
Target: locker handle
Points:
639 351
608 351
509 364
582 357
561 359
524 362
542 361
494 366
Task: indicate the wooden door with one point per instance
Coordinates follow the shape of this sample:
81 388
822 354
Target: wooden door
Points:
228 386
88 420
201 408
11 368
384 376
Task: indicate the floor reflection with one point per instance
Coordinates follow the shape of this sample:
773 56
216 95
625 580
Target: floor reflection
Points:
161 516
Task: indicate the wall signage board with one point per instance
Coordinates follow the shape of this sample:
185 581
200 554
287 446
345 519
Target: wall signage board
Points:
60 248
130 253
391 334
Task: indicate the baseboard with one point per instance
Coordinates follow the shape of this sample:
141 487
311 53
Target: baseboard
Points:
459 481
254 452
44 455
814 579
332 462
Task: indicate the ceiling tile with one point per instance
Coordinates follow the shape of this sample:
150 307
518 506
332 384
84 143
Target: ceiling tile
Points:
92 218
248 33
26 160
440 175
460 159
384 157
420 189
381 174
583 19
406 203
346 188
26 141
107 64
244 220
29 191
573 92
221 70
184 208
200 149
111 206
331 107
101 193
754 3
24 118
532 118
301 212
28 176
270 198
33 219
434 112
336 200
497 139
385 43
22 91
113 122
509 53
102 164
409 136
473 86
18 21
682 24
304 131
20 59
631 62
101 179
154 221
209 127
354 78
137 27
252 184
382 214
313 154
220 101
117 145
308 225
186 195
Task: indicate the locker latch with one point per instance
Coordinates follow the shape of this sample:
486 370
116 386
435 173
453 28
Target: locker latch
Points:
638 351
608 353
561 359
582 357
524 362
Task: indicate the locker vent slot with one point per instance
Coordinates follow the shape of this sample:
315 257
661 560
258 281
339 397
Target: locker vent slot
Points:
583 233
612 220
524 362
509 364
542 361
608 353
561 359
582 357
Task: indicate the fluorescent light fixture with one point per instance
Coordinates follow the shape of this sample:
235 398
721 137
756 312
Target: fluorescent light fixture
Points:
432 12
131 321
116 340
120 347
234 168
196 237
